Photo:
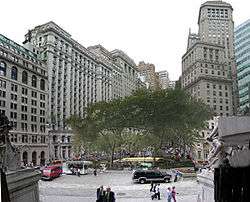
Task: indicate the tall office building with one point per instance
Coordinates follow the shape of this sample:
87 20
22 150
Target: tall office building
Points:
77 76
216 26
23 99
164 79
207 64
147 71
242 55
208 67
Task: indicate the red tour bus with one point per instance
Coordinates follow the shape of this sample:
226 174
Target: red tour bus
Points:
51 172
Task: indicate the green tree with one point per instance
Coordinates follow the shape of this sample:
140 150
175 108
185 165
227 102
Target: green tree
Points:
165 117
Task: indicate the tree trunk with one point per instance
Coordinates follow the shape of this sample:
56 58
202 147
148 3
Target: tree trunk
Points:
112 155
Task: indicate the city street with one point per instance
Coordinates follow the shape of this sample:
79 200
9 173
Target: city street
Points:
83 189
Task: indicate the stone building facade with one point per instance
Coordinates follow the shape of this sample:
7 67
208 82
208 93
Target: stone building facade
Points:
206 76
208 66
23 99
77 76
216 26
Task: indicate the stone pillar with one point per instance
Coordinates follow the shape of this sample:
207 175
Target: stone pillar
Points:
23 185
206 180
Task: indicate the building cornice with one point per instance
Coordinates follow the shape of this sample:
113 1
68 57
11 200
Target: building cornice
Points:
202 43
214 4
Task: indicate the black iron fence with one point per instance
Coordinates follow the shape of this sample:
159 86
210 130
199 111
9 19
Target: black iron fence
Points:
232 184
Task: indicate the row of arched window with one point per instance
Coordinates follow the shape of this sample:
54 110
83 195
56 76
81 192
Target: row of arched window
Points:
14 76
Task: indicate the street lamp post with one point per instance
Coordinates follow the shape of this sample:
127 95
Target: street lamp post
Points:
49 129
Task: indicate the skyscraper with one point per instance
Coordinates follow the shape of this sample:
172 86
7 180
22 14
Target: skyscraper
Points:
208 67
164 79
216 26
147 70
208 63
242 55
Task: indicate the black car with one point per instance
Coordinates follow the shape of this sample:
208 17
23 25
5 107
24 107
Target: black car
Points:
143 176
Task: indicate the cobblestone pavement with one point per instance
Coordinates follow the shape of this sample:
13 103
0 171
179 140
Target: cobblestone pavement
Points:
69 188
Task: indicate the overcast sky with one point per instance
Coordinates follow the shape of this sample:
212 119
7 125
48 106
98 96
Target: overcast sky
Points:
151 30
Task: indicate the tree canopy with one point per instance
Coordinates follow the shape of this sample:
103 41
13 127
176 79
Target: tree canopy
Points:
154 118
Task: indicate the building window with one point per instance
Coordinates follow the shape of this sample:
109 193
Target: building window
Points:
25 77
14 73
2 93
42 84
24 91
14 87
34 81
2 84
34 94
2 69
13 96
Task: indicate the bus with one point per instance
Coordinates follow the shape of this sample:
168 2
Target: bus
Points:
70 167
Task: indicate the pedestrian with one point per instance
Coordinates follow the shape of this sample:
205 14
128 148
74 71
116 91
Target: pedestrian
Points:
158 193
152 186
169 194
174 194
78 172
176 176
109 195
95 172
100 194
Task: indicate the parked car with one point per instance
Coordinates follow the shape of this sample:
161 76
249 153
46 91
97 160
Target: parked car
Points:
51 172
143 176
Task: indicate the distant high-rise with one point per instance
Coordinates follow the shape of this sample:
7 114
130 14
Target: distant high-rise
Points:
164 79
147 70
242 55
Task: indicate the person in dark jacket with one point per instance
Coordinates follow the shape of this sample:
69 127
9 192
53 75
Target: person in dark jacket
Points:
152 186
109 195
100 194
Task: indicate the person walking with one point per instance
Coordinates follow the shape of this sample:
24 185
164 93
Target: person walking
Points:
95 172
158 193
100 194
109 195
78 172
152 186
174 194
154 190
169 194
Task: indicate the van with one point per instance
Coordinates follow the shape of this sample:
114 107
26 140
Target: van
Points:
51 172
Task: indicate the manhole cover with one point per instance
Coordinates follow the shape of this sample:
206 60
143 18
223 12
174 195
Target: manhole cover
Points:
121 194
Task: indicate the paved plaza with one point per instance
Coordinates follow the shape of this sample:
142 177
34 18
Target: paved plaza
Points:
69 188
